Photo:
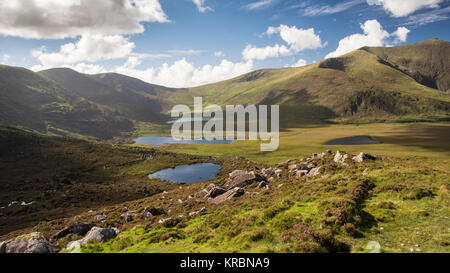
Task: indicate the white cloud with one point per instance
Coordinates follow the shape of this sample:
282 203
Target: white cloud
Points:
184 74
327 9
374 35
299 63
401 8
219 54
297 40
401 34
56 19
429 17
5 58
90 48
201 6
261 53
259 4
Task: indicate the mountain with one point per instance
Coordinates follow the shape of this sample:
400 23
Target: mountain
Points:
367 84
33 101
427 62
132 98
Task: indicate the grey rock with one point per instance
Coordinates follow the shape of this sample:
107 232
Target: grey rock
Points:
201 211
99 235
77 228
29 243
241 179
234 192
364 157
314 171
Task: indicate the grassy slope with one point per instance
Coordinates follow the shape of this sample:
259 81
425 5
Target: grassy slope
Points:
35 102
118 93
67 176
354 86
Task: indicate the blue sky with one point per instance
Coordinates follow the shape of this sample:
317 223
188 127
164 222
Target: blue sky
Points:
182 43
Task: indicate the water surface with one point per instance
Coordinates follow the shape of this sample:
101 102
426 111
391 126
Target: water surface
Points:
188 173
159 140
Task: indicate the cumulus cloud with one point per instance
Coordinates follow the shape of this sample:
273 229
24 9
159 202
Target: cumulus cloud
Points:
297 40
401 8
374 35
299 63
401 34
261 53
201 6
184 74
56 19
90 48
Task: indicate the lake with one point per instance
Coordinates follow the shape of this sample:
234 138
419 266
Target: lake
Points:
159 140
188 173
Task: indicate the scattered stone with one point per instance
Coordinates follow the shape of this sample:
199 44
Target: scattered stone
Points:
314 171
162 220
266 173
293 167
29 243
77 228
195 213
301 173
264 185
234 192
180 201
145 215
100 217
340 158
128 216
364 157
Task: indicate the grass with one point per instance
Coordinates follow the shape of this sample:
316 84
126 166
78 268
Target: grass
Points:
401 202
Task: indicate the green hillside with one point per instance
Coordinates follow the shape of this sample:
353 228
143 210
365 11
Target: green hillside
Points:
357 86
32 101
129 98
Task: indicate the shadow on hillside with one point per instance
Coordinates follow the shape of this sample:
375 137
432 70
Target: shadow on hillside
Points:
431 137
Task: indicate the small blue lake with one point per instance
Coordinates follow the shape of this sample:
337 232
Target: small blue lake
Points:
159 140
188 173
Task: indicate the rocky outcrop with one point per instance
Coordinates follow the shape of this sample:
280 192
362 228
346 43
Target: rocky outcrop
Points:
78 228
234 192
29 243
241 179
211 191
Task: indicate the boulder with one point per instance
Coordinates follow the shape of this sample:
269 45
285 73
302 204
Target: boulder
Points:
241 179
264 185
234 192
216 191
364 157
77 228
293 167
278 172
99 235
211 191
29 243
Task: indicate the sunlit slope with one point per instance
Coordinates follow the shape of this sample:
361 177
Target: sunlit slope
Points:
358 85
32 101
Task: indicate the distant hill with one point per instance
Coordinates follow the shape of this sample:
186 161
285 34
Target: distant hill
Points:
33 101
369 84
131 97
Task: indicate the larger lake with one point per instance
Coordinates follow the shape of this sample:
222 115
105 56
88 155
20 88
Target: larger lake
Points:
159 140
188 173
